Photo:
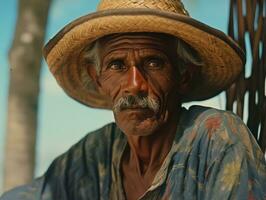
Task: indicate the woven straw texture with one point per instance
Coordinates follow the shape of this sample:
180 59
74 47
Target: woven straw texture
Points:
166 5
223 60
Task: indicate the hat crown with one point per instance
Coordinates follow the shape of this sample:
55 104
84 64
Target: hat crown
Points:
175 6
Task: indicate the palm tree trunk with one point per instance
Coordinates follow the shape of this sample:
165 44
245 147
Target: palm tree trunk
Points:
25 58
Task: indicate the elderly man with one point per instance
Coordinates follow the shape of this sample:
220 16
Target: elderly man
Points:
144 59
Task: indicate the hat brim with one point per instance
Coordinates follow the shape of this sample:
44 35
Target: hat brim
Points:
222 57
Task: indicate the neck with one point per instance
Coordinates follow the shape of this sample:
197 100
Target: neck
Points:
147 153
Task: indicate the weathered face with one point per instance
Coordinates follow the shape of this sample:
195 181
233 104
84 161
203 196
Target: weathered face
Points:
139 73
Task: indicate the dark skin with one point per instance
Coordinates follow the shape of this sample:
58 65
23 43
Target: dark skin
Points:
146 65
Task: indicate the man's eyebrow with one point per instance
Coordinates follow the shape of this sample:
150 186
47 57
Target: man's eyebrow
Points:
153 51
114 55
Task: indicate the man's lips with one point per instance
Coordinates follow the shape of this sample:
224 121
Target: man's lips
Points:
137 110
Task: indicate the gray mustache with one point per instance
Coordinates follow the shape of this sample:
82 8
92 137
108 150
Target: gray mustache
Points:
132 101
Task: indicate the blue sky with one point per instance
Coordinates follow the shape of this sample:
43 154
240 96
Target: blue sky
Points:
62 121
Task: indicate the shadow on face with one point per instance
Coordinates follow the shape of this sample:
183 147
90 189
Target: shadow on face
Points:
139 73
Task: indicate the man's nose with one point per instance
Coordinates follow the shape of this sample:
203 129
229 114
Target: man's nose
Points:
136 83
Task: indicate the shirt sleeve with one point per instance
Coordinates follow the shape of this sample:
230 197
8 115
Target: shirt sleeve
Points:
80 173
31 191
239 172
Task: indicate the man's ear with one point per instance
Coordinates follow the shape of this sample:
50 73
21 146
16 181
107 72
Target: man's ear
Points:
188 78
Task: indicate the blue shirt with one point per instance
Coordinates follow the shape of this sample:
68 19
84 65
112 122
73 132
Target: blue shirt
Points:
213 156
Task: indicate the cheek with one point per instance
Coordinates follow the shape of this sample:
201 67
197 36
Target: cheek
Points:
110 84
163 84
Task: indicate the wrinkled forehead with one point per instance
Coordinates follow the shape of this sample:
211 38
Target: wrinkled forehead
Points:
136 40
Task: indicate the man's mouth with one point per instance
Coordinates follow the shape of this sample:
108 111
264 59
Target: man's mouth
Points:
137 109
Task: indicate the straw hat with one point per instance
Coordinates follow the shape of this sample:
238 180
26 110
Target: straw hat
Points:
223 59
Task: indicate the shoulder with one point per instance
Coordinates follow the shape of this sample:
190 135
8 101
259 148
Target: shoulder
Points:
216 131
92 146
229 148
220 133
80 161
220 124
83 159
203 114
84 167
26 192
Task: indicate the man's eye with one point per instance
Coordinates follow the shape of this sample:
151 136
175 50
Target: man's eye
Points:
154 63
116 65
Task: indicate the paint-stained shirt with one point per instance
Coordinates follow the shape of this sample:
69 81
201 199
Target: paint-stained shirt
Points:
213 157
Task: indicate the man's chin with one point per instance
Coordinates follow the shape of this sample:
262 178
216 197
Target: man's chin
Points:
139 131
138 128
136 114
